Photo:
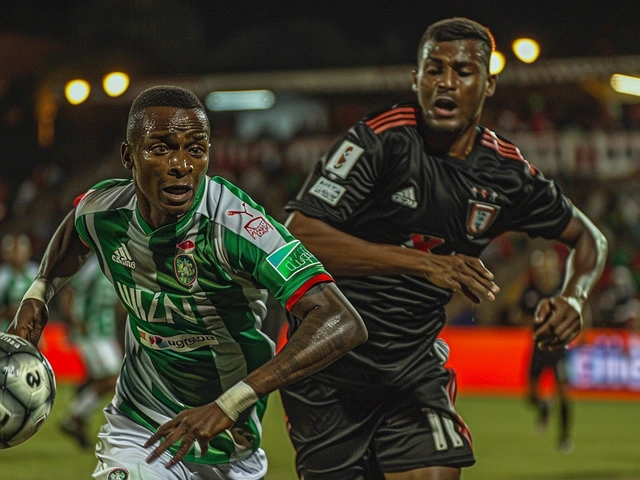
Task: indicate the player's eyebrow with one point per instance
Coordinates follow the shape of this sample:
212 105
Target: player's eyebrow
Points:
168 137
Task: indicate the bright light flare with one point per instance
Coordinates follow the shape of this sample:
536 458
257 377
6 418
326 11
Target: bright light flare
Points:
240 100
526 49
115 83
77 91
625 84
496 62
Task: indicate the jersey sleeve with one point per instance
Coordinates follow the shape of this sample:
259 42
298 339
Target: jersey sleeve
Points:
256 244
91 201
341 183
545 211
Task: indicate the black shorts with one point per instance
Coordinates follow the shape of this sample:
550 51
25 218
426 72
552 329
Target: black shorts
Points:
541 359
352 433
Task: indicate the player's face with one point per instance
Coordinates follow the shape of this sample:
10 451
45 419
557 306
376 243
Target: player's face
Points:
168 158
452 83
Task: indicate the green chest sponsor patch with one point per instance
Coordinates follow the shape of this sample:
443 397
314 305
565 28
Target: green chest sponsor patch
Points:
291 259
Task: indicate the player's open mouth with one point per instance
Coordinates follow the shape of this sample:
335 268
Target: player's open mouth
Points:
178 193
445 107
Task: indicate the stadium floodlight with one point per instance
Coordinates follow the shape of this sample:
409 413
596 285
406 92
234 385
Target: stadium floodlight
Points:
240 100
496 62
625 84
526 50
115 83
77 91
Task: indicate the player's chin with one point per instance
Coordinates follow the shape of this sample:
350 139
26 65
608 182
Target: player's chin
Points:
177 209
445 125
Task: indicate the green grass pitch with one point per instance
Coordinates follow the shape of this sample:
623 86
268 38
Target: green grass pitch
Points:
506 444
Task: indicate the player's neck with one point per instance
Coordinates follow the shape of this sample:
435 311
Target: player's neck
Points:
454 144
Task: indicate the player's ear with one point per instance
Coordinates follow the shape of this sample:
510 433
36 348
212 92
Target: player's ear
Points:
492 81
414 80
126 156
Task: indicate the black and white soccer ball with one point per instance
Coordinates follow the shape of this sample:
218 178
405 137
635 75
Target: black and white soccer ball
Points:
27 390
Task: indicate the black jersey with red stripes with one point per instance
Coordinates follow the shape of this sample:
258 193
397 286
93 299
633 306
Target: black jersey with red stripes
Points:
381 183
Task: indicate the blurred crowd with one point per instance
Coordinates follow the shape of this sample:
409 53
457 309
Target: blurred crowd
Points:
592 152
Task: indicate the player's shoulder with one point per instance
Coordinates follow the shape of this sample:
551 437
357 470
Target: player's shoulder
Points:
395 118
503 150
220 188
106 195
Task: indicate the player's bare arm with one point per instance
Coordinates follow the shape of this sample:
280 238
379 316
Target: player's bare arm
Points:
330 327
63 258
559 319
345 255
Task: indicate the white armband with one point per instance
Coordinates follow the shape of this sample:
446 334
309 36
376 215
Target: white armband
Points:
236 400
573 301
41 290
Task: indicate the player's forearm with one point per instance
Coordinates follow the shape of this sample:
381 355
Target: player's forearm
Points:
64 257
585 261
345 255
328 330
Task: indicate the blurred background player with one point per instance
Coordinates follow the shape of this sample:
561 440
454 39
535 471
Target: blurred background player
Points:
545 281
96 319
16 275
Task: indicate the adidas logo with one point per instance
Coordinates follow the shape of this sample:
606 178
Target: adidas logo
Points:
121 256
406 197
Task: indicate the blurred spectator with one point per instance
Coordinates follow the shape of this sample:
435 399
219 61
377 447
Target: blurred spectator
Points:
617 306
17 272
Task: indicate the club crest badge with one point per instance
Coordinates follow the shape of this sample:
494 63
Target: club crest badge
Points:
185 269
118 474
480 217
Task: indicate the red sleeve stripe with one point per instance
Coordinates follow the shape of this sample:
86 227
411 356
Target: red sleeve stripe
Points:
398 123
397 116
390 113
489 139
500 143
304 288
78 199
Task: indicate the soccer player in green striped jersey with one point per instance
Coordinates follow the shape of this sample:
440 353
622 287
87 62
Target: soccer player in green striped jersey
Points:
191 258
17 271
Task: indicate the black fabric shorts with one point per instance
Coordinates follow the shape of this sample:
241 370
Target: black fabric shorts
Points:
541 359
349 433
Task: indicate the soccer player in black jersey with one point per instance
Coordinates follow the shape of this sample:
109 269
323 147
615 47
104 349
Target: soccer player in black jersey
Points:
399 211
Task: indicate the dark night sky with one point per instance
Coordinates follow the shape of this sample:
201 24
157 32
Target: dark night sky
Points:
199 36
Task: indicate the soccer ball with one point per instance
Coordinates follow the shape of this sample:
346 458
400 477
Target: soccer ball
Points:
27 390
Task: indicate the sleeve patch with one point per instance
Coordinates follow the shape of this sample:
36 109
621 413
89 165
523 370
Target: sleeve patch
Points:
291 259
327 191
344 158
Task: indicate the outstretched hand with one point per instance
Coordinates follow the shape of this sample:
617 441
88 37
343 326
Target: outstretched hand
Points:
30 319
462 273
556 323
198 424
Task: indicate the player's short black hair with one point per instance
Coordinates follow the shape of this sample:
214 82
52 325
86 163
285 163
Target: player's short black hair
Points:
161 96
459 28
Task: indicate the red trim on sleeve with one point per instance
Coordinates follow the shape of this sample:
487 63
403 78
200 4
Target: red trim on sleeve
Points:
85 244
304 288
79 199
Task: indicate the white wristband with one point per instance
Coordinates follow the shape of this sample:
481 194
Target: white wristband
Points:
41 290
236 400
573 301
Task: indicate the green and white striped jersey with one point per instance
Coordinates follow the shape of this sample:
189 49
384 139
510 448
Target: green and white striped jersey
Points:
196 298
13 285
94 301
